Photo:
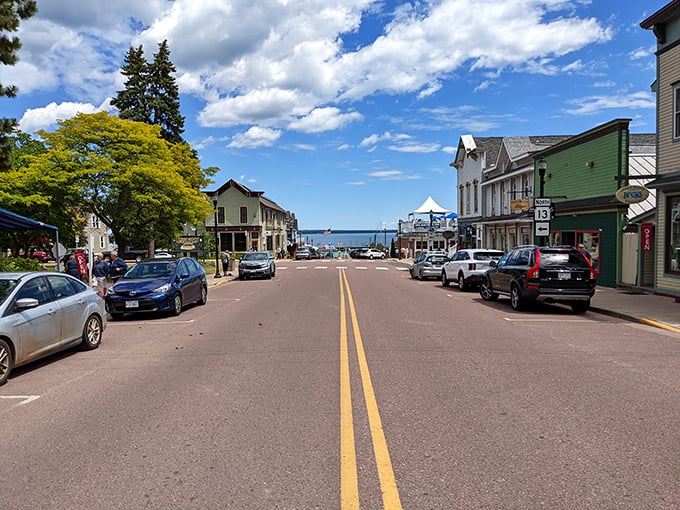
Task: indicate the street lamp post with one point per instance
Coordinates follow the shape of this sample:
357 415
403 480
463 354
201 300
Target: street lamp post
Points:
217 241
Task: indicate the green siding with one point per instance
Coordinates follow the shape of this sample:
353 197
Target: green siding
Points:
568 176
610 240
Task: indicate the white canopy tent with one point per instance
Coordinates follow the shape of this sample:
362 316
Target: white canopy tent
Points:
430 207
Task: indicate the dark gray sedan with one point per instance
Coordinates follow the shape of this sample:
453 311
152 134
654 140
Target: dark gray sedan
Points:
42 313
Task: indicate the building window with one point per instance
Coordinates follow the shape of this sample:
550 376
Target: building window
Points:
95 222
673 235
102 241
461 202
676 112
244 214
220 215
475 194
467 198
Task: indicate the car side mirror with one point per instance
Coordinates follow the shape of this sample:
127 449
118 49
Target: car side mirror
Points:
493 263
26 303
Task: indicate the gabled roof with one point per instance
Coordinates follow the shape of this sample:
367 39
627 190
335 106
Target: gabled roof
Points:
231 183
430 207
10 221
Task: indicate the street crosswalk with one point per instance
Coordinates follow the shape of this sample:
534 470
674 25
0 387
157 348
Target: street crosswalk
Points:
280 267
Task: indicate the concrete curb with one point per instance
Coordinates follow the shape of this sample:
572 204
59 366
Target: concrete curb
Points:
631 318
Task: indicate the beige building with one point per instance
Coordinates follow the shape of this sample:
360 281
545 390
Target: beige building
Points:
665 24
247 220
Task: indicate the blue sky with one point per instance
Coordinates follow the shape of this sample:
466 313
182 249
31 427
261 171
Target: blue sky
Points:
347 112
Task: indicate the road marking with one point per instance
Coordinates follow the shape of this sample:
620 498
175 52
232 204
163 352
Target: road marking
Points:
301 267
361 267
381 268
547 319
388 483
349 478
321 267
342 267
281 267
402 268
25 399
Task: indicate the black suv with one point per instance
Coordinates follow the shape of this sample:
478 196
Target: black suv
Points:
554 274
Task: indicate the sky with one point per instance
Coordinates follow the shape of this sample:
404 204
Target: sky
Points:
347 113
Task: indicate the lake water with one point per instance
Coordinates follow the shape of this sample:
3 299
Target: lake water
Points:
347 239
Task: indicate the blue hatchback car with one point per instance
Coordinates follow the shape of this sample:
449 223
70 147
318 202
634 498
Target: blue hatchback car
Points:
158 285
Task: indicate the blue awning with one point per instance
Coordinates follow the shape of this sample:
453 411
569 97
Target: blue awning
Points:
11 221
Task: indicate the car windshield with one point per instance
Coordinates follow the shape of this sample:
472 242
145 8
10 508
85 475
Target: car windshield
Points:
488 255
571 258
151 270
255 256
6 287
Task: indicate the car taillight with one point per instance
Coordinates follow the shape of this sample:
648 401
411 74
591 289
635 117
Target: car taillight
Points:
472 267
534 270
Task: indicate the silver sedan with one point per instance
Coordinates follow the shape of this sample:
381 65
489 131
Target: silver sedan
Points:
42 313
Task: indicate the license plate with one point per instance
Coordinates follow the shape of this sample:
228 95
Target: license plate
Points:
564 276
132 304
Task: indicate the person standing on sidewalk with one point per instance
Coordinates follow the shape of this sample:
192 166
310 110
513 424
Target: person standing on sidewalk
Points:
225 262
100 271
118 266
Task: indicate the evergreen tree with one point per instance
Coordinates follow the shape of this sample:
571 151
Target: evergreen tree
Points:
164 96
133 102
11 12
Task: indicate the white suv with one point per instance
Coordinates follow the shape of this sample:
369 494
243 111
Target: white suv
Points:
467 266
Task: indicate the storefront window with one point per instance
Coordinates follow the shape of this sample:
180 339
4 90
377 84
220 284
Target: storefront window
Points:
673 235
591 242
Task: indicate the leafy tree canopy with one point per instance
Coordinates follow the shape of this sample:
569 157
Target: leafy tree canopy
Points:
139 185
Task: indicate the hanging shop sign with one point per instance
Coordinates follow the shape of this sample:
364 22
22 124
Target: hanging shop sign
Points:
632 194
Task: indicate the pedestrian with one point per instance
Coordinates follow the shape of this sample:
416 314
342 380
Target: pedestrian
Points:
72 266
583 250
118 266
100 271
225 262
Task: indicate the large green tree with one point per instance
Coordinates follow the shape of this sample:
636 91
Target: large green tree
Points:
139 185
11 13
151 94
132 101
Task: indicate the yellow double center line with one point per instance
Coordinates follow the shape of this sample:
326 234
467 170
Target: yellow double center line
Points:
349 480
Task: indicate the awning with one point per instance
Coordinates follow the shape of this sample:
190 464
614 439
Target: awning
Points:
11 221
669 180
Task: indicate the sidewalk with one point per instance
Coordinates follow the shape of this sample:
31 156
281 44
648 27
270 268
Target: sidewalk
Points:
636 306
651 309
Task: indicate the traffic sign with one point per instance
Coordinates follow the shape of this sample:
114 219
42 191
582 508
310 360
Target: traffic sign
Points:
542 214
542 228
542 202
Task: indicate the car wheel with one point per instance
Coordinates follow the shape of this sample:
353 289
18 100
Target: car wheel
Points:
6 361
461 282
486 291
445 280
516 300
204 296
370 257
413 274
92 333
273 273
580 306
177 304
269 275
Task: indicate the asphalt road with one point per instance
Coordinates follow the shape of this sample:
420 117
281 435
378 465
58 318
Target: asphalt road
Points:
346 385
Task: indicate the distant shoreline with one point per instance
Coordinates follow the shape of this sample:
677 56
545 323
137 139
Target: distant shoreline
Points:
350 231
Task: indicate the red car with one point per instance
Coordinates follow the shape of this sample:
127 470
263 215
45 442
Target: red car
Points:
39 255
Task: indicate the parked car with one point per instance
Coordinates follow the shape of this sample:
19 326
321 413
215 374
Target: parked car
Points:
158 285
37 254
42 313
467 266
303 252
555 274
163 254
257 263
428 265
354 253
370 253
